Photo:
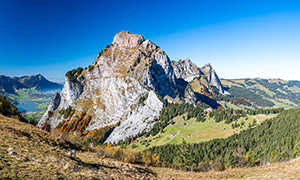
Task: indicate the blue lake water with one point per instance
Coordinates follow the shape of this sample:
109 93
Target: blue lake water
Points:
29 105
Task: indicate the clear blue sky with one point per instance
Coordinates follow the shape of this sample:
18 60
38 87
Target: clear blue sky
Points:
241 38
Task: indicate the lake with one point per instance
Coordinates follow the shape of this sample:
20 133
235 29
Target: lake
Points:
25 105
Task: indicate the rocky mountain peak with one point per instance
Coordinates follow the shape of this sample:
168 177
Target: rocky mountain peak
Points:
127 39
124 85
187 60
207 67
212 77
39 77
185 69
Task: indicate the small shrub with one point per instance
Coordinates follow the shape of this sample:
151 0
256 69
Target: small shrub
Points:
73 74
91 68
67 112
46 127
218 164
118 124
203 167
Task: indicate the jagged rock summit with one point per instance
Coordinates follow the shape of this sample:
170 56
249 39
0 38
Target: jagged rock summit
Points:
212 77
185 69
126 39
125 84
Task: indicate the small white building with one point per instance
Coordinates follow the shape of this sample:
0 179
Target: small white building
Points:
208 110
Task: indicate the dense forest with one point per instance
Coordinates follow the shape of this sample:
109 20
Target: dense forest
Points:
230 115
201 113
262 92
256 99
276 139
170 111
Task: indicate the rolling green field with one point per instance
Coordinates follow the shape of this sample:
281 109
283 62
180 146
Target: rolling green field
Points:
35 116
233 106
24 94
43 105
193 132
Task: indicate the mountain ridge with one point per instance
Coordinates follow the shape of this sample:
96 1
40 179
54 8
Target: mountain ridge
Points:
110 90
9 84
265 92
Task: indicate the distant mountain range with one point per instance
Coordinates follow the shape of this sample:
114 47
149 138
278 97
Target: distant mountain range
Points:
11 84
257 93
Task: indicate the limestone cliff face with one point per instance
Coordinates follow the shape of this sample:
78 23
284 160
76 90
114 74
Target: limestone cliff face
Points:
137 120
186 70
212 77
70 92
52 107
114 87
125 71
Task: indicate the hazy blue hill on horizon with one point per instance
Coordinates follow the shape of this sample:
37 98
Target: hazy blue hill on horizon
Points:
38 81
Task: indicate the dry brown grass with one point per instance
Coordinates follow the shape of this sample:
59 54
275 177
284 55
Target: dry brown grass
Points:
39 155
283 170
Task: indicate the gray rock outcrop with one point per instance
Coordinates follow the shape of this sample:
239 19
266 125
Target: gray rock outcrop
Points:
185 69
212 77
112 88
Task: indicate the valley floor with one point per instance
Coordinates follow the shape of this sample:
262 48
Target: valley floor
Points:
30 153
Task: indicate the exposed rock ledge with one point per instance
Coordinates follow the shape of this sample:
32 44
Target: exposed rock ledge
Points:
126 39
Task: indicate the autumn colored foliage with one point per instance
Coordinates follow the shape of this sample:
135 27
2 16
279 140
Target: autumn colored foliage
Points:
46 127
76 124
129 155
98 136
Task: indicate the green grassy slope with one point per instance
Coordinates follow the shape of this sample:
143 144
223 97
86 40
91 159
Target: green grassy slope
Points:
274 140
194 132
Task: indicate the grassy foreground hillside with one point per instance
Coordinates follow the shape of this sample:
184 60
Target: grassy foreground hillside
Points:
30 153
283 170
27 152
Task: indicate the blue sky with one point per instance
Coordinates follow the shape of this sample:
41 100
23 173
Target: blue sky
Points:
241 38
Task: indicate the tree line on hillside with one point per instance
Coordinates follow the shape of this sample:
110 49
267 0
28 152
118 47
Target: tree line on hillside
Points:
7 109
276 139
170 111
240 96
230 115
200 112
255 99
280 90
73 74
